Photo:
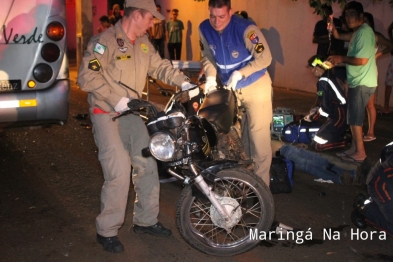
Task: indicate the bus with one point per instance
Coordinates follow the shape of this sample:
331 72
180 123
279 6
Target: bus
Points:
34 71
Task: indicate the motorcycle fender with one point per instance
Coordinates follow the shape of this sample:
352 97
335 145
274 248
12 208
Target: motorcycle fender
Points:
208 174
213 167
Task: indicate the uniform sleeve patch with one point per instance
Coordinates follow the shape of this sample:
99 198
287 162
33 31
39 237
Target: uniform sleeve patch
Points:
99 48
94 65
123 57
259 48
320 93
253 37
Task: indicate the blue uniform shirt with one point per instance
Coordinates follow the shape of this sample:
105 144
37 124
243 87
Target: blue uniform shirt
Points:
229 50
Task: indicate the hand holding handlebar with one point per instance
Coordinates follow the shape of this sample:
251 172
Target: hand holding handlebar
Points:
122 105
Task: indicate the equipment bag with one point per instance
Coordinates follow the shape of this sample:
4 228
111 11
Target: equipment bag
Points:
281 175
300 131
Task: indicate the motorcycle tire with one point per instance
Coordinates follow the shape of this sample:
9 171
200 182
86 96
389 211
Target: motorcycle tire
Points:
199 223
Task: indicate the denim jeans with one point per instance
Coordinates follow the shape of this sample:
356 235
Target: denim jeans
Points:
313 164
357 101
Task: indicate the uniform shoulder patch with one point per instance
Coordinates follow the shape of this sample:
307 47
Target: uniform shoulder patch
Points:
94 65
259 48
253 37
99 48
320 93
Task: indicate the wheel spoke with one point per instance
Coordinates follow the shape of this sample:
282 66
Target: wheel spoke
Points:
202 210
243 193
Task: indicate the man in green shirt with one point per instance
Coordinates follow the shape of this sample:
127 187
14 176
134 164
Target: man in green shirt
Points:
174 30
361 75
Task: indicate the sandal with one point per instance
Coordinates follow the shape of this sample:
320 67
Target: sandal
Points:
351 159
369 138
341 154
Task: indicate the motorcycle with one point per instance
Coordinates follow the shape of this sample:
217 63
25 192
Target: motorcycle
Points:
222 202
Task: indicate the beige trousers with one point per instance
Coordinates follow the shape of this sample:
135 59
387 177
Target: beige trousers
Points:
120 143
257 100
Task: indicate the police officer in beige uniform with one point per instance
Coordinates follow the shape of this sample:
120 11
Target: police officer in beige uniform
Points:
124 53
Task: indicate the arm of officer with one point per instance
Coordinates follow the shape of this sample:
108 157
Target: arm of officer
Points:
256 43
90 76
208 62
163 70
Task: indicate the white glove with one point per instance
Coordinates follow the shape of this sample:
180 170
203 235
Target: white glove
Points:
193 93
211 84
187 85
122 105
235 77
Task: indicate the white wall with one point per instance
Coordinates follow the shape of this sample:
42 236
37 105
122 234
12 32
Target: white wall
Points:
288 27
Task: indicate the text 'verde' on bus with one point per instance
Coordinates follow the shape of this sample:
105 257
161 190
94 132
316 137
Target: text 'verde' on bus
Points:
34 72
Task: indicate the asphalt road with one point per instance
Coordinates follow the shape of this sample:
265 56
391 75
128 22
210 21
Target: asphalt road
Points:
50 181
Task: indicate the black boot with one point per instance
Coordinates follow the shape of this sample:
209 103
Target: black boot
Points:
110 244
156 230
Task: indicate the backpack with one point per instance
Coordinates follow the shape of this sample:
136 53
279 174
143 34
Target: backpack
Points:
281 175
300 131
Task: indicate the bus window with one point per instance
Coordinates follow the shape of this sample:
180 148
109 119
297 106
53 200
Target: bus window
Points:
34 74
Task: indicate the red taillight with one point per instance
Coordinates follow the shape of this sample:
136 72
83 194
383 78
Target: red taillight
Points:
50 52
55 31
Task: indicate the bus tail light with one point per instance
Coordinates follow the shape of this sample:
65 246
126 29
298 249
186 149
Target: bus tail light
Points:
55 31
50 52
43 73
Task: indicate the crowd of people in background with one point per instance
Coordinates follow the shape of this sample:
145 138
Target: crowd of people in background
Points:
162 31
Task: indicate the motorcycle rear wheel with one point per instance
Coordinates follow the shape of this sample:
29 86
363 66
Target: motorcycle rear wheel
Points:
197 221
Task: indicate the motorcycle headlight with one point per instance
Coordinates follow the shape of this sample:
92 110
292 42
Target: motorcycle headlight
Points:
162 146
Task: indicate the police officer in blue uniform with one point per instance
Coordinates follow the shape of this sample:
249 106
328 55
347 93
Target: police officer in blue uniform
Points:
235 50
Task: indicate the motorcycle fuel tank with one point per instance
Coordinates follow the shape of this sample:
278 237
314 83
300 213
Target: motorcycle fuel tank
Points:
219 108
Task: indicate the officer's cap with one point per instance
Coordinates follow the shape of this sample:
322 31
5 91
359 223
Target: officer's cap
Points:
148 5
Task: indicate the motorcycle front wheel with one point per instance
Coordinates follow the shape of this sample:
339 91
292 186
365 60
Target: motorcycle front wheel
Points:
244 195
